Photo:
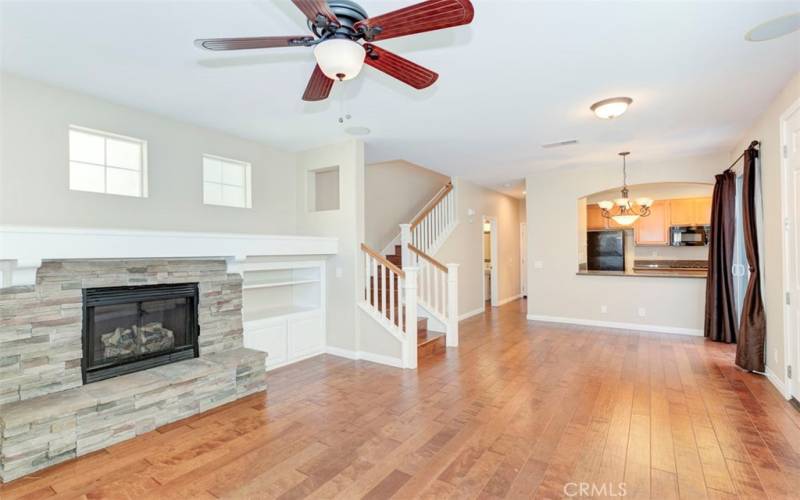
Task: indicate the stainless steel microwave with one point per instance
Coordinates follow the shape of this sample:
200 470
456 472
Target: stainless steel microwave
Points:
689 236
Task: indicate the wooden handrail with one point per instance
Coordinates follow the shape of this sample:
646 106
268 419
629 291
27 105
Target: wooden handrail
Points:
380 258
431 204
427 257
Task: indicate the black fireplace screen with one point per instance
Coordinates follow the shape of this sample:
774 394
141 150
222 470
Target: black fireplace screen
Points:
127 329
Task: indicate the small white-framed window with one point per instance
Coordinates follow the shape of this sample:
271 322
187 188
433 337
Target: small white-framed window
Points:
102 162
226 182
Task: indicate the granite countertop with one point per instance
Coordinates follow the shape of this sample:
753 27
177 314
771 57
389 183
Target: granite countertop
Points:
655 269
661 273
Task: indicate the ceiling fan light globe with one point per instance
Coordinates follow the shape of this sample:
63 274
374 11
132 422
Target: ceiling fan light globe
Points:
340 59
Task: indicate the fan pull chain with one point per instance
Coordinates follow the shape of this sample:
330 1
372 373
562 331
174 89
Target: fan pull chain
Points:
343 115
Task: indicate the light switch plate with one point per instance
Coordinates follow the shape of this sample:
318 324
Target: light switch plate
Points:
538 264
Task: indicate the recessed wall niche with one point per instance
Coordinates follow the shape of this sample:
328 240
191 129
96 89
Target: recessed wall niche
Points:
323 189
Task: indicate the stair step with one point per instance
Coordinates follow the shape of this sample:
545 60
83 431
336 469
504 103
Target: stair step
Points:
431 344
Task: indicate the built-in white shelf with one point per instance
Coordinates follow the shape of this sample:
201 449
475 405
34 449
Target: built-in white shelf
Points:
270 313
270 284
284 309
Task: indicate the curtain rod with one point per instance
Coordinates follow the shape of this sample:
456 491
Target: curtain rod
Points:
753 144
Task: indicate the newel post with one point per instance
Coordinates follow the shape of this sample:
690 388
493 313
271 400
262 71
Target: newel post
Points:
405 239
451 338
410 339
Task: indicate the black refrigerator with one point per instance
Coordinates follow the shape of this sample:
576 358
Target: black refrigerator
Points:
606 250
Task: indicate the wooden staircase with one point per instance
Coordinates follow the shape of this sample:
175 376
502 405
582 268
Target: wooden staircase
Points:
428 342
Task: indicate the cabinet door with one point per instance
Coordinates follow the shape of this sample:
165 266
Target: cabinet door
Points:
682 212
270 338
654 229
702 211
305 335
595 219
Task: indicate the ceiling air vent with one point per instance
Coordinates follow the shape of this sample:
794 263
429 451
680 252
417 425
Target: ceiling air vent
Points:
558 144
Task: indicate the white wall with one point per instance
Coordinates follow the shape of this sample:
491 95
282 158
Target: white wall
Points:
767 130
395 192
555 291
34 169
464 246
346 223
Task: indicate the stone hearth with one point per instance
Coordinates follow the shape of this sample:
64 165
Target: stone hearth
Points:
48 416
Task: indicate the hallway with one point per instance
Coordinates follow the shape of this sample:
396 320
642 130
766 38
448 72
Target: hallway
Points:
520 409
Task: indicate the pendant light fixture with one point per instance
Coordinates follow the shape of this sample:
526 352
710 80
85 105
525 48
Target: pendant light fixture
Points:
626 212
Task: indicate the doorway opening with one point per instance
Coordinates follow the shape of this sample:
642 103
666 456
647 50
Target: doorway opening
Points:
490 283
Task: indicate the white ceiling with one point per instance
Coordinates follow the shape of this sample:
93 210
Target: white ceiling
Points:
523 74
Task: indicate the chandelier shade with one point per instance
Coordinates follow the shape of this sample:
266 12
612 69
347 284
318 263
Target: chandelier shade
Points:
622 210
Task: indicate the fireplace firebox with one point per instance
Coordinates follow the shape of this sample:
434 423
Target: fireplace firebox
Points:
133 328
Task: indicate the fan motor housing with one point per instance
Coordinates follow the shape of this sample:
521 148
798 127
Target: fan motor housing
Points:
347 11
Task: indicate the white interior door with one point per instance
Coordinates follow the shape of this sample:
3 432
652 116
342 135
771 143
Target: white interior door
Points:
523 259
791 151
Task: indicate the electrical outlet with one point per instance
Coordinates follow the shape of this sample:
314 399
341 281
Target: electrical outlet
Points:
603 309
642 312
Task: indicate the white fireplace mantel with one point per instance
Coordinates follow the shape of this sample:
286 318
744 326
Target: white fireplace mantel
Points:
23 248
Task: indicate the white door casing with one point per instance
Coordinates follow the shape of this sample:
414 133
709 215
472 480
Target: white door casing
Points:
790 152
523 259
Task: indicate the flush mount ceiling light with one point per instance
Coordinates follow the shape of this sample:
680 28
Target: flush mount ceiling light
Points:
627 212
340 58
774 28
611 108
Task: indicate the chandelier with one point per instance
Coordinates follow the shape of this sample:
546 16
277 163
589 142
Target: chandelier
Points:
622 210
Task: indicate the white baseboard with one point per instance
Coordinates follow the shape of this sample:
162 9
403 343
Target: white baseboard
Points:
366 356
616 325
782 387
510 299
470 314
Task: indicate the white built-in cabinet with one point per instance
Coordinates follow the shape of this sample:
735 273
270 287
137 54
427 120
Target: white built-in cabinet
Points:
284 310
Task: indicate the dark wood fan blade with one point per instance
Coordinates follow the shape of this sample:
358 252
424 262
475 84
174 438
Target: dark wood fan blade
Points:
319 86
313 8
395 66
426 16
256 42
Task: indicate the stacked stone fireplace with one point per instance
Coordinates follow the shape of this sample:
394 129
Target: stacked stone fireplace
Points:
99 351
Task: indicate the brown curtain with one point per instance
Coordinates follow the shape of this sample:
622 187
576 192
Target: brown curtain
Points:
753 326
720 318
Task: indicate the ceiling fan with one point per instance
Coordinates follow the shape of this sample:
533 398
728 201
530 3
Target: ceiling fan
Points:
339 25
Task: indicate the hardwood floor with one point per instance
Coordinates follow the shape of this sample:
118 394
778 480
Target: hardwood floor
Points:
518 410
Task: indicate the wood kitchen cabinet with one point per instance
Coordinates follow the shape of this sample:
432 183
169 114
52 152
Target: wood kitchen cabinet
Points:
594 218
690 212
653 229
703 211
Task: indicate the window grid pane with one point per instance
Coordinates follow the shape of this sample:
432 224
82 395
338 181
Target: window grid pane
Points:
101 162
225 182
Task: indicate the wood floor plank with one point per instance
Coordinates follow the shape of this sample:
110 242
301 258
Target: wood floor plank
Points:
519 410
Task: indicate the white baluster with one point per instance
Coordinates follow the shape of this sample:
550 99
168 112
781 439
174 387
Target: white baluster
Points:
452 305
374 281
435 300
384 285
391 297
